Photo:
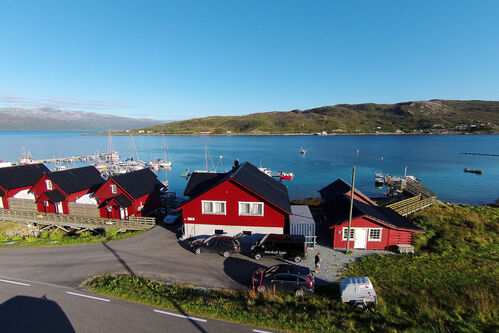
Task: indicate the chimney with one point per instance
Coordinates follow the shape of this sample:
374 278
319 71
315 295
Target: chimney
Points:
236 165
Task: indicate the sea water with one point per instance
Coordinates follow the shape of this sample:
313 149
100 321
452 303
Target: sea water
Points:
436 160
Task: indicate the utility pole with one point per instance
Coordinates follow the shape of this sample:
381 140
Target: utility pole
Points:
351 208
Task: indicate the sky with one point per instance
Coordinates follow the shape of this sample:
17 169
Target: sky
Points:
173 60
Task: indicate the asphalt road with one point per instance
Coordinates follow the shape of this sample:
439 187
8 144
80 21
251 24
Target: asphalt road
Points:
27 306
156 254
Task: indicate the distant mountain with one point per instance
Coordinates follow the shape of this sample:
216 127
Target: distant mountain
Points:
17 118
434 116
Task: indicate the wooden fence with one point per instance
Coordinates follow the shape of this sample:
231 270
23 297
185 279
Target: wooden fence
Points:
133 223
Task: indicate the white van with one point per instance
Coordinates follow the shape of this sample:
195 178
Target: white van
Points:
358 291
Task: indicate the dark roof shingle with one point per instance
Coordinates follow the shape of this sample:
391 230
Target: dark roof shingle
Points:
336 212
21 176
78 179
199 181
139 183
248 176
54 196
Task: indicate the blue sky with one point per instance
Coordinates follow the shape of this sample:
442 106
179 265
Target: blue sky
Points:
186 59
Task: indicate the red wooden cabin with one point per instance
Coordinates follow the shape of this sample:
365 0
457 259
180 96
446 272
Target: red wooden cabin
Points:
55 190
242 200
16 181
134 193
372 227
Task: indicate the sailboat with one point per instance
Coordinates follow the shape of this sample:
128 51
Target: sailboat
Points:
160 163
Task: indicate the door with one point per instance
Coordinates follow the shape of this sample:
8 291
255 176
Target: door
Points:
1 202
360 238
58 208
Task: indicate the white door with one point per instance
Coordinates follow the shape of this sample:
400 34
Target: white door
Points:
360 238
58 208
122 213
1 202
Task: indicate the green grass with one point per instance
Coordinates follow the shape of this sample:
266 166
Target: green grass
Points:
450 285
319 312
58 237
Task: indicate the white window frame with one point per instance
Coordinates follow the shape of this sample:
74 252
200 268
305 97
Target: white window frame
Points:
213 212
114 189
344 234
369 239
251 203
48 183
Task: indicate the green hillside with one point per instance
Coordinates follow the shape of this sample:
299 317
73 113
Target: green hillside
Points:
435 116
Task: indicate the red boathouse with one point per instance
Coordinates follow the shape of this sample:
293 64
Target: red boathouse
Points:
373 227
56 191
15 183
135 193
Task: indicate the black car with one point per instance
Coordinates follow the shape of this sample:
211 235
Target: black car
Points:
288 246
293 279
223 245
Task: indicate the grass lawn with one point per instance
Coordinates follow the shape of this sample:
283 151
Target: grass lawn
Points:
450 285
58 237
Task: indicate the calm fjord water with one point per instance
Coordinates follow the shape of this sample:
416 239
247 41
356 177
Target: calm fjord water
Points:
434 159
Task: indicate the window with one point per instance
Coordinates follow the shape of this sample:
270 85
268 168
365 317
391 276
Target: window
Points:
218 231
213 207
251 208
375 235
49 184
113 189
352 233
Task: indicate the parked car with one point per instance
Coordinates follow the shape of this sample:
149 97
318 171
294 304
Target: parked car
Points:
171 219
358 291
224 245
289 246
287 278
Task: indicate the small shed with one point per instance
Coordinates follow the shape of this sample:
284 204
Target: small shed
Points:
302 223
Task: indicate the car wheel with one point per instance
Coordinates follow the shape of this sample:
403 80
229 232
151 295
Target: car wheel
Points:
299 293
360 307
297 259
258 256
226 254
198 250
262 289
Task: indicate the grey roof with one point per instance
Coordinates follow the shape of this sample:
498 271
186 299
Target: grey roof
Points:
78 179
21 176
301 215
120 199
139 183
248 176
336 212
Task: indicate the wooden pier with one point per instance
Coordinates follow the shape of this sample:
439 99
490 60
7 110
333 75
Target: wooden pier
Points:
63 221
71 159
422 198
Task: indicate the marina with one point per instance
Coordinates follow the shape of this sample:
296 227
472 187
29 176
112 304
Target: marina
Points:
434 159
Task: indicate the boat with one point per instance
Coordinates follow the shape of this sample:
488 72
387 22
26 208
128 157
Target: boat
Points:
303 151
26 158
478 172
265 171
160 163
284 175
280 174
379 179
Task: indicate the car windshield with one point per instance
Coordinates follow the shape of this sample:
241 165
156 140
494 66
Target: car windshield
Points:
272 270
208 239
